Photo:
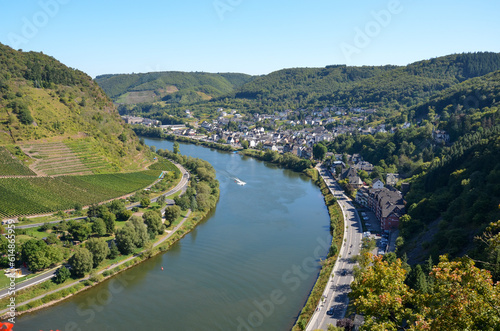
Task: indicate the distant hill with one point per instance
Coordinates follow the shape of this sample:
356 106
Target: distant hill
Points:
43 102
382 87
171 86
390 89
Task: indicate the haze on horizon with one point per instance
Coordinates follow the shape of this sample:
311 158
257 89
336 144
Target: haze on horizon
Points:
253 37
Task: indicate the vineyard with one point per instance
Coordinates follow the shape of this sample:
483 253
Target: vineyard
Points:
39 195
53 159
72 158
86 153
10 166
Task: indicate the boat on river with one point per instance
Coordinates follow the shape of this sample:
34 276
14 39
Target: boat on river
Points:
239 182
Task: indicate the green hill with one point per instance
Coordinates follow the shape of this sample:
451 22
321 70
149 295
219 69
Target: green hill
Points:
172 86
43 101
382 87
62 141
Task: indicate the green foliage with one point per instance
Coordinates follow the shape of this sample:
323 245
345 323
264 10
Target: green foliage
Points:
99 249
145 202
152 219
140 230
125 238
113 251
79 230
458 296
62 274
99 227
38 255
461 187
81 262
172 213
319 151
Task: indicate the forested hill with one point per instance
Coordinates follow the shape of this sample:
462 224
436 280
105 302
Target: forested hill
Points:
381 87
172 86
44 101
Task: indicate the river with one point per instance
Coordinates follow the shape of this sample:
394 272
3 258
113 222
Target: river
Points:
249 266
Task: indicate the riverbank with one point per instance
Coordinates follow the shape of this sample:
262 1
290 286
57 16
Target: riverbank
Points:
47 293
337 231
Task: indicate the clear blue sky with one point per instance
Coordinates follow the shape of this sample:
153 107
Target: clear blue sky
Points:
250 36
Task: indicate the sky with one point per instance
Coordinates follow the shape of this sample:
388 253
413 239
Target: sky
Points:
248 36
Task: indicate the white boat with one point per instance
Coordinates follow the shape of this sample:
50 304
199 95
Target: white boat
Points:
239 182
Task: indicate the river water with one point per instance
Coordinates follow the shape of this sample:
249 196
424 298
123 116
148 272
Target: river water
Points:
249 266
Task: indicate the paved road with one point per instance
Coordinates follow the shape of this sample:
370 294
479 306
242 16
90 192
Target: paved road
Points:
181 186
336 292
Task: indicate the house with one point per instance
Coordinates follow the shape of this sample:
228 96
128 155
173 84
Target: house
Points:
352 176
388 205
378 184
391 179
440 136
364 165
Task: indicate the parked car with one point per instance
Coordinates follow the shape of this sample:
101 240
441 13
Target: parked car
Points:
330 311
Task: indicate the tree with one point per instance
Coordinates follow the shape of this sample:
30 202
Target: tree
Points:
99 249
109 219
125 240
38 255
99 227
182 201
152 219
172 213
79 231
380 292
113 250
161 200
176 148
319 151
62 274
145 202
416 279
124 215
81 262
245 144
140 229
459 296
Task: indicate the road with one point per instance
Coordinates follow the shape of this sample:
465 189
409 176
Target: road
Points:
38 279
336 291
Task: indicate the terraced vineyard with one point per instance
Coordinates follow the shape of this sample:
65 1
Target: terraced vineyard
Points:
85 151
72 158
39 195
55 159
10 166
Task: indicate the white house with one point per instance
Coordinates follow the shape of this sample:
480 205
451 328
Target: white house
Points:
378 184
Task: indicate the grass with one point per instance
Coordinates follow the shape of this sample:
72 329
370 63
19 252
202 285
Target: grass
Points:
4 280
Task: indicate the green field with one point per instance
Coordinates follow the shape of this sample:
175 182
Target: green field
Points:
10 166
164 165
39 195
